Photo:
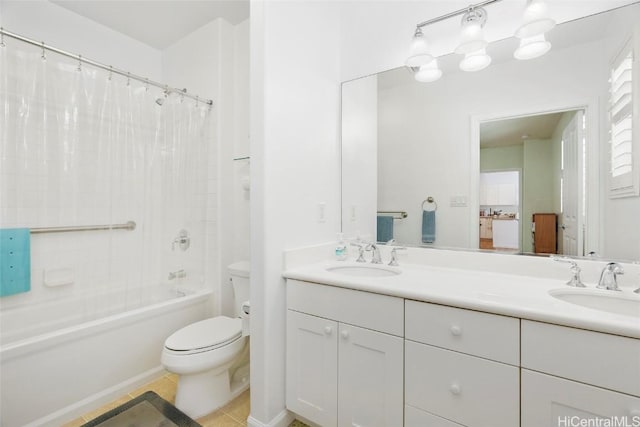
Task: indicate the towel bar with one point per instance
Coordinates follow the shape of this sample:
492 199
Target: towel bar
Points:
395 214
131 225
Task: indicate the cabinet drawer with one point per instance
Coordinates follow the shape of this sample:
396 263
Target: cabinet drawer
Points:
372 311
461 388
480 334
552 401
414 417
595 358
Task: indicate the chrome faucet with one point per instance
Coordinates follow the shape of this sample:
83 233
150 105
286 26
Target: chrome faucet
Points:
394 255
180 274
575 280
609 277
375 257
360 252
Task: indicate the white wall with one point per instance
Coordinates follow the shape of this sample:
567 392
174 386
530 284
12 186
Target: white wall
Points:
359 157
212 63
295 103
66 30
241 238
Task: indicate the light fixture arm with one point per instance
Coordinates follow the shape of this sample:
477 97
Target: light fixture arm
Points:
455 13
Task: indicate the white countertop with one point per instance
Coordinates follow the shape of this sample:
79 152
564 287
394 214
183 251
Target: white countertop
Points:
507 294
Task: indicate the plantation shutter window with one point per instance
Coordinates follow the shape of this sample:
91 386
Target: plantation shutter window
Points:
622 106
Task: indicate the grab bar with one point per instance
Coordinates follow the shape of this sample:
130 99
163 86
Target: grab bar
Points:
395 214
130 225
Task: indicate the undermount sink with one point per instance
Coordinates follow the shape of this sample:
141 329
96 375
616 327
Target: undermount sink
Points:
364 270
603 300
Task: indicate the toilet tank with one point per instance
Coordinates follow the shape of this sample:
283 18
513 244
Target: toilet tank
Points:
239 273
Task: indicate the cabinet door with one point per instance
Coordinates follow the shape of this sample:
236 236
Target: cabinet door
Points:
312 367
551 402
370 378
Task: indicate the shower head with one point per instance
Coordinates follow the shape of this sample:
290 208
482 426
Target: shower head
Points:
161 100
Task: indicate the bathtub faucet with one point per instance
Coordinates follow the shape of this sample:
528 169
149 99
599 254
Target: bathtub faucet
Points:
177 274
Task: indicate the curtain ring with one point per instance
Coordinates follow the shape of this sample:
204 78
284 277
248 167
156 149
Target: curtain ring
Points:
2 37
79 62
43 56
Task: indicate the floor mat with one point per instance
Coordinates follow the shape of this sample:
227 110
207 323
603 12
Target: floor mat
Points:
147 410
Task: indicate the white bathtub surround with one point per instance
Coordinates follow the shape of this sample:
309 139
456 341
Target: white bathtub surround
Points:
81 147
90 364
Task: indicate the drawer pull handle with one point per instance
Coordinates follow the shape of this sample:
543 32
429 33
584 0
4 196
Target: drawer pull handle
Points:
327 330
456 330
344 334
455 389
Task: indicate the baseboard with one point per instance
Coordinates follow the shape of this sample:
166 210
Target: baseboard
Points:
283 419
94 401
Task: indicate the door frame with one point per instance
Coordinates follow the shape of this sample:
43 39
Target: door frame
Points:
592 228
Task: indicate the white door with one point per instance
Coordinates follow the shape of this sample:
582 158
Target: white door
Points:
549 401
570 233
370 385
312 367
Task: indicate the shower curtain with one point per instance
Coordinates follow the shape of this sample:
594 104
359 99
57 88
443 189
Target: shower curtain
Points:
82 146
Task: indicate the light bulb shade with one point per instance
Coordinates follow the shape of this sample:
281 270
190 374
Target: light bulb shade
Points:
475 61
419 51
471 37
532 47
428 72
536 20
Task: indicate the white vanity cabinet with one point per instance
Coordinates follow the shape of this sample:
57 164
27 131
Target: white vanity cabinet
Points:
461 367
572 374
344 356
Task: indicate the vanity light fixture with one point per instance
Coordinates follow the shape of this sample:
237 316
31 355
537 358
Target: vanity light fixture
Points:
472 42
419 51
429 72
531 33
536 22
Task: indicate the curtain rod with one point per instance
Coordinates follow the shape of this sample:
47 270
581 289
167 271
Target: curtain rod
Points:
455 13
109 68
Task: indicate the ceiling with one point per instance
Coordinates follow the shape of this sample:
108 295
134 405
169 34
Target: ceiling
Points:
157 23
504 133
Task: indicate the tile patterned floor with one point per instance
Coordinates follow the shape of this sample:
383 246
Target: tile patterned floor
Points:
233 414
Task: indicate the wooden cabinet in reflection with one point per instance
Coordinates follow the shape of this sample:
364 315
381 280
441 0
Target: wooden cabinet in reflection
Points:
545 233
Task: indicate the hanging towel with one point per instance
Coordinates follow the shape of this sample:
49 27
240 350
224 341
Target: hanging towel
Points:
428 226
15 261
385 228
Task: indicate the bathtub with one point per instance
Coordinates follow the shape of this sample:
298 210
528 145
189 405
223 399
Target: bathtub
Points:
48 377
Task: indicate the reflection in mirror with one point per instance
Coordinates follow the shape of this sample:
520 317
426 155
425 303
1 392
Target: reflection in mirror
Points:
531 192
405 141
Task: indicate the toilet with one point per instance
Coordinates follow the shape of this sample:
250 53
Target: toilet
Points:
211 357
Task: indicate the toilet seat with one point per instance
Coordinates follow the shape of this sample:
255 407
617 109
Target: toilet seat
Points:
205 335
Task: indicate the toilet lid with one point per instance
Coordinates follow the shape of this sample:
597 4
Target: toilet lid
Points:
206 333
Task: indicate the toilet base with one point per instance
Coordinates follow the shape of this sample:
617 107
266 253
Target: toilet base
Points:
200 394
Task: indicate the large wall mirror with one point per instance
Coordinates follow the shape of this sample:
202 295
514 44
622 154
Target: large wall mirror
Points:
514 158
